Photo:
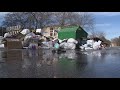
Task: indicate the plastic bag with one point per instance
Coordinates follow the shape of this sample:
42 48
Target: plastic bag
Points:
71 45
7 35
1 45
38 30
68 45
25 31
33 46
71 40
90 42
30 35
56 46
96 45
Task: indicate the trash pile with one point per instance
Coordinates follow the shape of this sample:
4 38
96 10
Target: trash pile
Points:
71 44
34 40
31 40
92 45
25 37
68 44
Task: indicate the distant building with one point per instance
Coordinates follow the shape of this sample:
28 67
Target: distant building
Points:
50 31
113 44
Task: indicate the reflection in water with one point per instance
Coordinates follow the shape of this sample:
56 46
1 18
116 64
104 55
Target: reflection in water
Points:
81 61
44 63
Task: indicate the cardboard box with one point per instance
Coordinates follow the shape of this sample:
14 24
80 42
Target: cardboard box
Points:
13 44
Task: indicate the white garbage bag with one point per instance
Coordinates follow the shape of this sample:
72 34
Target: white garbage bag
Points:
85 45
99 42
66 45
38 30
1 45
60 41
71 40
71 46
7 35
25 31
96 45
90 42
30 35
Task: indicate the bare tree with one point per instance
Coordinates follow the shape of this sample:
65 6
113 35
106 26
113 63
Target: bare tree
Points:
85 20
27 19
15 18
41 19
116 41
98 34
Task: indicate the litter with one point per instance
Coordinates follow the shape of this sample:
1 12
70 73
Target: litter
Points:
1 45
71 40
25 31
91 44
6 35
38 30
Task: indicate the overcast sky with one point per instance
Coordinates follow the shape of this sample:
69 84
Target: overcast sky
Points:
109 22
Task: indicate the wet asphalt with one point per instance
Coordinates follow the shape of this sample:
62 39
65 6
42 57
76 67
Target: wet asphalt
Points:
71 64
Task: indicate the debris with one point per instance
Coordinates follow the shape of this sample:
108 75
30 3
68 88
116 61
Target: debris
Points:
38 30
25 31
91 44
6 35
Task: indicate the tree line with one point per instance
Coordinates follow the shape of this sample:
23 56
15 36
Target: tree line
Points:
116 41
41 19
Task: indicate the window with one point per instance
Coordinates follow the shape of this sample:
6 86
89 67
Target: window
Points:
51 28
51 32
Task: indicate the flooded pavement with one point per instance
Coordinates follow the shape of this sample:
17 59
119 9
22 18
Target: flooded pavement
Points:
72 64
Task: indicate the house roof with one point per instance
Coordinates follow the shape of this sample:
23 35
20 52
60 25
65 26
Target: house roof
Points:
69 29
